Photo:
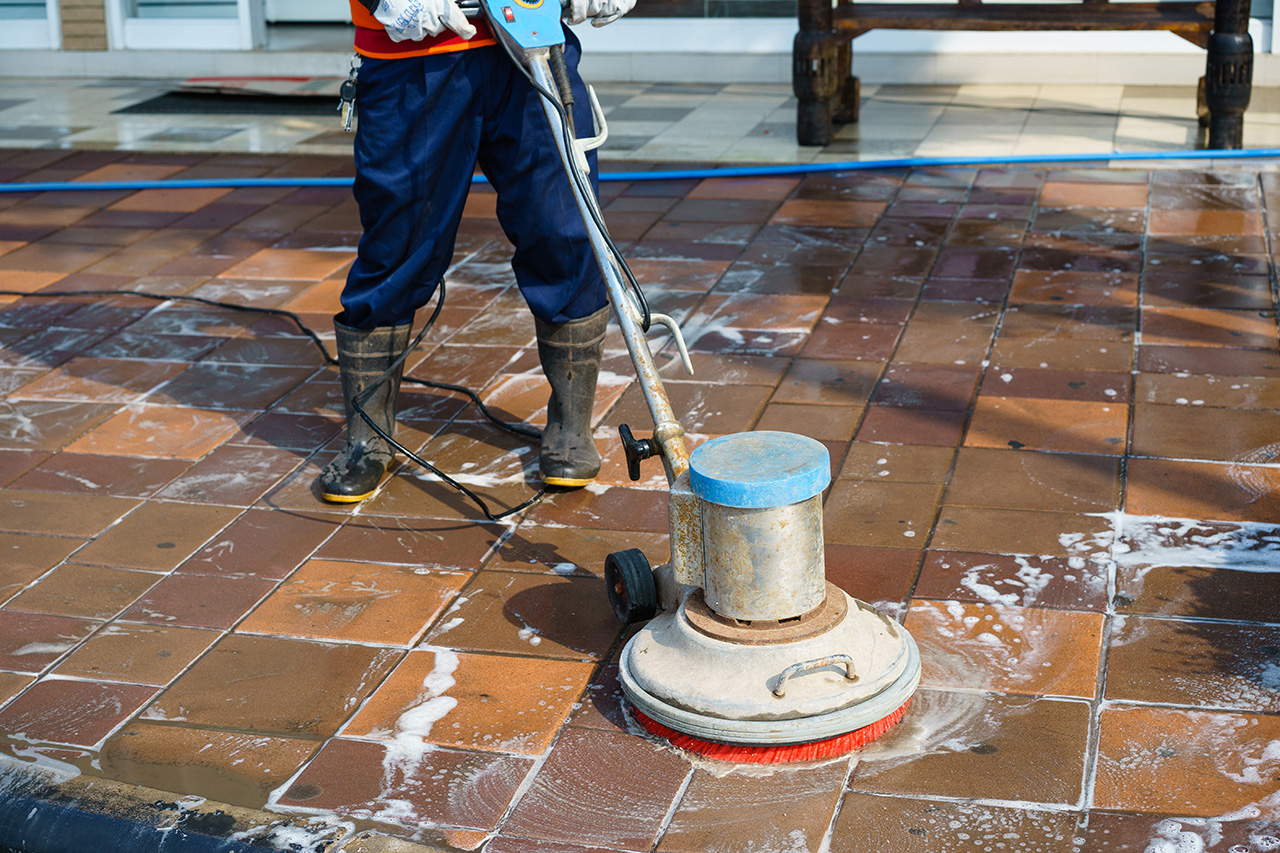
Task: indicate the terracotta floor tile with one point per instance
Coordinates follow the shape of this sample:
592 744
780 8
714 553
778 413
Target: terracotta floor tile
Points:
912 426
967 262
124 476
850 307
938 343
355 602
27 557
1037 481
263 543
1184 762
788 809
1068 287
236 476
703 408
600 787
29 642
166 200
1074 583
80 713
413 542
277 351
942 387
868 341
27 281
821 212
1199 664
1174 222
824 423
897 463
240 769
1207 327
1233 392
981 745
612 509
881 514
828 382
875 575
1219 361
290 432
199 601
239 683
739 188
869 823
1048 384
231 386
138 654
979 233
569 551
1055 425
1162 290
409 785
1196 432
557 617
1025 650
1196 591
40 425
502 844
1201 490
1009 531
139 345
58 514
1062 353
14 463
495 702
11 684
162 431
1068 194
883 284
88 592
157 536
1133 833
99 380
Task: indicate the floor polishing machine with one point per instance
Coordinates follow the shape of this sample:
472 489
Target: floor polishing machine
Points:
748 653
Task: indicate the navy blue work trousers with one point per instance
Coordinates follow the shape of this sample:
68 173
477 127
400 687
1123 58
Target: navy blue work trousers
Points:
425 122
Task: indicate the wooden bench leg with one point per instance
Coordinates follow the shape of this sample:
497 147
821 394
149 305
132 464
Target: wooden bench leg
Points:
849 94
814 81
1228 79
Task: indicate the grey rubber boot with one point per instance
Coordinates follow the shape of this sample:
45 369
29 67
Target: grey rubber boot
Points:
570 354
363 356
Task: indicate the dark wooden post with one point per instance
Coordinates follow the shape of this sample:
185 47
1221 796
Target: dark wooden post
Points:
1228 78
815 72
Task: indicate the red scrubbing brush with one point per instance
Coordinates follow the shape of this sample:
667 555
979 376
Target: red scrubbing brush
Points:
777 754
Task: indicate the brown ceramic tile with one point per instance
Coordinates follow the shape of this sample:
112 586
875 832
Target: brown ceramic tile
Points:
235 476
239 769
824 423
11 684
1074 583
912 426
1210 593
1049 384
1025 650
1176 222
409 785
496 702
263 543
1197 763
869 823
14 463
867 341
138 654
1219 361
1201 490
1068 287
29 642
927 386
355 602
290 432
875 575
239 683
1135 833
787 809
740 188
162 431
80 713
58 514
1235 392
1038 481
167 200
1197 664
1008 531
830 213
897 463
843 383
27 557
1196 432
1054 425
125 476
569 551
612 509
199 601
1068 194
39 425
413 542
99 380
703 408
157 536
600 787
503 844
939 343
1175 290
88 592
1207 327
230 386
545 616
881 514
981 745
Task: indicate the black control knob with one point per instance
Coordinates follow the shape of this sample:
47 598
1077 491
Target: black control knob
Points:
637 449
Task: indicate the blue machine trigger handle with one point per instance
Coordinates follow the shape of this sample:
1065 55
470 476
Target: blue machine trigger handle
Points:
525 24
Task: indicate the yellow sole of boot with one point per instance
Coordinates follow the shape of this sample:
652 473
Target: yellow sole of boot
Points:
345 499
566 483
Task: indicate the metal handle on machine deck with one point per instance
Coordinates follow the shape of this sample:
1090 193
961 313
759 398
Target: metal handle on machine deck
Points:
817 663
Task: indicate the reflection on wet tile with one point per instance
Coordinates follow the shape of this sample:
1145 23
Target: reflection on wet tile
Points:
869 823
79 713
1074 583
138 654
29 642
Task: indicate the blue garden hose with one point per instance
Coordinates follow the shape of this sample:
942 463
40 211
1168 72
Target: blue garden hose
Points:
679 174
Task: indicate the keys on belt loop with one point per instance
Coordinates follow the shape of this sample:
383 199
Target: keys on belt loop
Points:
347 93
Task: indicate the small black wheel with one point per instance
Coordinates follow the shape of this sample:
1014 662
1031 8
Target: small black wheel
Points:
633 593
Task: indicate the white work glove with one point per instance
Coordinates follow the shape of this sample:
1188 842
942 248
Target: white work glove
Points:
414 20
600 12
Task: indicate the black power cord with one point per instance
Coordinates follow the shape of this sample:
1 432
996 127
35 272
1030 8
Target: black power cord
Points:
358 402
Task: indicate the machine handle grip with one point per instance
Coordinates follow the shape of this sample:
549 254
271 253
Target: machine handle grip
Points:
817 663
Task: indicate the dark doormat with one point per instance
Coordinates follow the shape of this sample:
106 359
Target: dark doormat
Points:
194 103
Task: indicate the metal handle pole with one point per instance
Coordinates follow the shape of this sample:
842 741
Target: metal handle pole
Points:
667 430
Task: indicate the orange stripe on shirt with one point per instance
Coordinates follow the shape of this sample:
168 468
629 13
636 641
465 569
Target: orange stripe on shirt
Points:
372 39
